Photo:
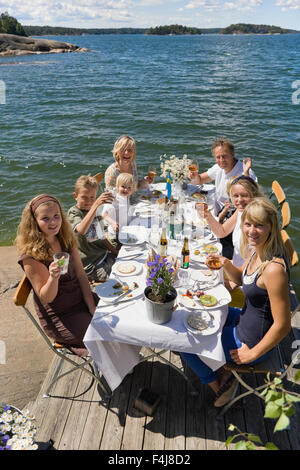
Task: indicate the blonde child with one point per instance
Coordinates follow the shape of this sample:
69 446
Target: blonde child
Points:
64 302
96 252
120 212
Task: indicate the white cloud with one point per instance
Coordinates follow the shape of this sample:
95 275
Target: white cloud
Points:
288 4
242 5
64 12
208 4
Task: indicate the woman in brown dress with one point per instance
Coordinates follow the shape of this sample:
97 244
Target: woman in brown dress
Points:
64 303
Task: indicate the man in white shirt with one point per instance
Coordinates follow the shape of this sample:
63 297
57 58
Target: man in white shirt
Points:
226 166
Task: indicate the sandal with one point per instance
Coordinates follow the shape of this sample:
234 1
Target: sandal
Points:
226 392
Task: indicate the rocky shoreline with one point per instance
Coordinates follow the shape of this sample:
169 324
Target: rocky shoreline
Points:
12 45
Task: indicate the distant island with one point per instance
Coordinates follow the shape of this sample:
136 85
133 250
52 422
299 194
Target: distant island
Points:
244 28
175 29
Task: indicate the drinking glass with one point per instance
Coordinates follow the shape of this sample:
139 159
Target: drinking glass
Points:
151 174
193 166
62 261
183 278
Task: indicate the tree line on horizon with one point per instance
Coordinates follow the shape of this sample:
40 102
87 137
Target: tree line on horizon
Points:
10 25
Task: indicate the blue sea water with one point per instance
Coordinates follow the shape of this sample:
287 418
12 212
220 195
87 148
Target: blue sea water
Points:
174 95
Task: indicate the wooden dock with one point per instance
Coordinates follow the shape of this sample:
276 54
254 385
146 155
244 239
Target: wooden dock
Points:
182 422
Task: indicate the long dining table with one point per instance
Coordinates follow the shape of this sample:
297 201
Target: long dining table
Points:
120 327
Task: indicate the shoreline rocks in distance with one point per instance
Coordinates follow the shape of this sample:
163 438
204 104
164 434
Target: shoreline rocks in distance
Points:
12 45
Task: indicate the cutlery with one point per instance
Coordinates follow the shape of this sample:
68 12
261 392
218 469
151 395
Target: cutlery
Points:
134 255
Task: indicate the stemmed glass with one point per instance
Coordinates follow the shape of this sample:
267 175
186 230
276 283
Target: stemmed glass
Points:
193 166
151 174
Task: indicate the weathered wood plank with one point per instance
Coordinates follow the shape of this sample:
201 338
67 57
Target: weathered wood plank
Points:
133 437
175 430
116 417
156 425
95 422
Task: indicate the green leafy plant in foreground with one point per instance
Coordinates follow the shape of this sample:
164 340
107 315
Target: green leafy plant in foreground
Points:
280 405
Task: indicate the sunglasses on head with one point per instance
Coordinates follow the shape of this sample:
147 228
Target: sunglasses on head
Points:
242 177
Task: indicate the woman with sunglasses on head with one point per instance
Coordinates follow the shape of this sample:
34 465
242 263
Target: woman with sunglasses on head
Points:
64 303
124 153
249 335
241 190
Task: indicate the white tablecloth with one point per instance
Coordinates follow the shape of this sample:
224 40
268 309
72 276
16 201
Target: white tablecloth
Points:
117 333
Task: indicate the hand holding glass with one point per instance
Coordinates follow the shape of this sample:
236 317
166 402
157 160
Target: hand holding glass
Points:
62 260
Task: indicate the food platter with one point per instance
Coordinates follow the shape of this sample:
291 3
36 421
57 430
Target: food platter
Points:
218 293
201 323
112 290
132 235
127 268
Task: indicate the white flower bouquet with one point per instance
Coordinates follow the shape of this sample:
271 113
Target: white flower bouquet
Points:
17 430
178 167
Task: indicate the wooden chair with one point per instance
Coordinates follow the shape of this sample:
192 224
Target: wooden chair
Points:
86 364
273 365
278 192
285 215
290 248
98 177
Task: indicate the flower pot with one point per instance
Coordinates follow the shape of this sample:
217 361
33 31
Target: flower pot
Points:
160 312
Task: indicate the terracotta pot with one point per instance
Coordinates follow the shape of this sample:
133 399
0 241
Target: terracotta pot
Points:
160 312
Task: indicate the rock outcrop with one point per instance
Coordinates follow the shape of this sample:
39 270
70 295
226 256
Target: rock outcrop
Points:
11 45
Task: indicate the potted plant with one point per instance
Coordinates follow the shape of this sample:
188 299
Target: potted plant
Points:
160 294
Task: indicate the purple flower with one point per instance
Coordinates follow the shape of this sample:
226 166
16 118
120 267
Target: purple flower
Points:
148 282
157 257
160 280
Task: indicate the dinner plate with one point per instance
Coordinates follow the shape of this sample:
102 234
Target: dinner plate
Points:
138 268
219 292
110 294
212 323
132 236
205 277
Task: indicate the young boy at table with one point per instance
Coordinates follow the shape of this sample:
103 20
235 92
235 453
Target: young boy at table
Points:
120 212
97 253
226 166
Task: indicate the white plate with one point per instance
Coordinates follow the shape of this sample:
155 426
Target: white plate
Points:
213 324
205 277
132 236
220 292
108 294
138 268
160 186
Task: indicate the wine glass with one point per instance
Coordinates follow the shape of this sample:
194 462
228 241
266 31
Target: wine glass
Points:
193 168
151 174
183 277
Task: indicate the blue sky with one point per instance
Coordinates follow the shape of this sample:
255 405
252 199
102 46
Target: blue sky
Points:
145 13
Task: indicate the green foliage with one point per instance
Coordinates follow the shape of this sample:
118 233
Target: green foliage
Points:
245 28
175 29
9 25
280 405
64 31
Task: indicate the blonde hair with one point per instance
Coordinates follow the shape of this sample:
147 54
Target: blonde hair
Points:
122 143
126 179
30 240
252 188
85 181
262 211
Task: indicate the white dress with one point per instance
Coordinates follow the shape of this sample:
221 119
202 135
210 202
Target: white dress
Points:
237 260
